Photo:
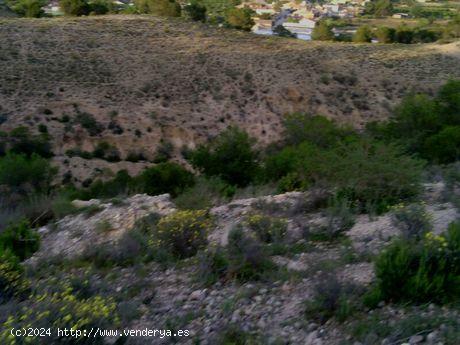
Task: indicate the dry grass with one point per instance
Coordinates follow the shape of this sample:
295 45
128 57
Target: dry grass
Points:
182 81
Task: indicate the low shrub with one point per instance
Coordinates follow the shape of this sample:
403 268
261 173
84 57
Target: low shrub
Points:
246 257
164 152
21 141
331 299
212 265
412 220
340 218
164 178
23 173
12 282
20 239
386 176
63 309
234 334
230 156
205 193
317 130
87 121
182 233
130 249
426 271
107 152
443 147
267 229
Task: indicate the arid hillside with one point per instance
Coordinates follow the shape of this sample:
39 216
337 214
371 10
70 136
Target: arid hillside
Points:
144 79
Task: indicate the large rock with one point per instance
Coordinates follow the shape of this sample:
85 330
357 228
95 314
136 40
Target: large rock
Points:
98 223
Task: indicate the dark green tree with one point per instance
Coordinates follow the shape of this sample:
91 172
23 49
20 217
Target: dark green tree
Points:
322 32
379 8
29 8
164 8
363 34
196 11
385 34
239 18
230 156
75 7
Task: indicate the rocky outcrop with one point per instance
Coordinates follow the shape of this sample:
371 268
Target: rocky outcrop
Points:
99 222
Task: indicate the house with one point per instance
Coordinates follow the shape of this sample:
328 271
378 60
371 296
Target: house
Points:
332 10
262 27
303 28
401 15
53 8
258 6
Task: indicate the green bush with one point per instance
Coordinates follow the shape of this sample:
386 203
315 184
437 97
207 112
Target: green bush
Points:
212 265
164 152
205 193
87 121
12 282
63 309
385 175
239 18
230 156
243 259
331 299
443 147
164 8
422 272
196 11
106 151
413 220
20 141
340 218
317 130
182 233
379 8
322 32
29 8
246 257
19 171
75 8
20 239
363 34
385 34
267 229
427 126
164 178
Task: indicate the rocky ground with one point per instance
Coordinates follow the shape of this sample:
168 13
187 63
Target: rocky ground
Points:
265 312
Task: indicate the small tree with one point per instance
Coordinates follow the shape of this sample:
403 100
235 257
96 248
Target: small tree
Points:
322 32
230 156
164 8
379 8
196 11
404 34
75 7
363 34
30 8
239 18
385 34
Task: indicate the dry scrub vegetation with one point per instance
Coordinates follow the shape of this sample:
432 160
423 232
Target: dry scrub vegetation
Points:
145 80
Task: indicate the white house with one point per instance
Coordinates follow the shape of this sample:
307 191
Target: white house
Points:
262 27
53 8
302 29
401 15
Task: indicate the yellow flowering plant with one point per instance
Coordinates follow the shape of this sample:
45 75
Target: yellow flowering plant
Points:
267 229
182 233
